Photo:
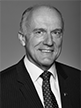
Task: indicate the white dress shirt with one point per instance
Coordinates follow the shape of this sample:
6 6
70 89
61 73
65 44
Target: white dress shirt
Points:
35 73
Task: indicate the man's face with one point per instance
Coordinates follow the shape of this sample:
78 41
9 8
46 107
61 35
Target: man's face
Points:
44 39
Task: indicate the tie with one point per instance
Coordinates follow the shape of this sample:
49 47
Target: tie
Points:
49 98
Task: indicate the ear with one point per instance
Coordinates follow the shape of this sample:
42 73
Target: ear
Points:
21 38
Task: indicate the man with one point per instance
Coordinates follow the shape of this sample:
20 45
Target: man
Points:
23 85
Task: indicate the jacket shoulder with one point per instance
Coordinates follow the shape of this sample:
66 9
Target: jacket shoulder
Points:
8 74
69 71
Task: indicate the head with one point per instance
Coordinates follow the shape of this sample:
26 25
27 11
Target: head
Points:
41 33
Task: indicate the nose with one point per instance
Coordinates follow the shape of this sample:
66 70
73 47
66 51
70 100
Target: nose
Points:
48 40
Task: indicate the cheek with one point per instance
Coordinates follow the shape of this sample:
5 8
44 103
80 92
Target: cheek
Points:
58 47
35 42
58 43
33 45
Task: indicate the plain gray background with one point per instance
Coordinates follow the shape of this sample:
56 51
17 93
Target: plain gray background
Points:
11 51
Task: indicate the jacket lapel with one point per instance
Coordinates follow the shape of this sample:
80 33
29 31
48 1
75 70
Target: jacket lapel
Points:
29 92
62 77
27 88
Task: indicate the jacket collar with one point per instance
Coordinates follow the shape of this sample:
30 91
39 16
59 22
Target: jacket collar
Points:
22 72
63 77
27 87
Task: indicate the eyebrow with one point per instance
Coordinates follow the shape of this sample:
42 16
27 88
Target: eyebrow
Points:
61 30
39 29
43 30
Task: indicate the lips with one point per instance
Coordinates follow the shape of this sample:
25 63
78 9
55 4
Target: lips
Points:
46 50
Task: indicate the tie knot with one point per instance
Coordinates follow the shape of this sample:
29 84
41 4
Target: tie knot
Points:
46 75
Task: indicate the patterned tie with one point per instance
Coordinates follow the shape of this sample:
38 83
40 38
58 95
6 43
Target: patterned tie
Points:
49 98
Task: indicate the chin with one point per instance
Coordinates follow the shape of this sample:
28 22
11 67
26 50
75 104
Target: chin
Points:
47 62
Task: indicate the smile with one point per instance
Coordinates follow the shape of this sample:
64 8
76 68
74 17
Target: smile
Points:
46 50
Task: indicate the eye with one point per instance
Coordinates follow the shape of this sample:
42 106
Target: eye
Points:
57 33
38 32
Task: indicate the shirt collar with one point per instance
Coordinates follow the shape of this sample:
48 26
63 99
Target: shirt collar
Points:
35 71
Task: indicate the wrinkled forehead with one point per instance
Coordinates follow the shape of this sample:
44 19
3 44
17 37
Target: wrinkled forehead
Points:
45 15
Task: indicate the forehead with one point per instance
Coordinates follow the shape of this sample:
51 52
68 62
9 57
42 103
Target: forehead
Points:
45 16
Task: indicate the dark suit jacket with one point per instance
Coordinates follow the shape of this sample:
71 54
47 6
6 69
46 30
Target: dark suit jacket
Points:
18 91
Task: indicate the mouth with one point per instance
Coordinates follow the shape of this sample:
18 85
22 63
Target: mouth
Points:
46 50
